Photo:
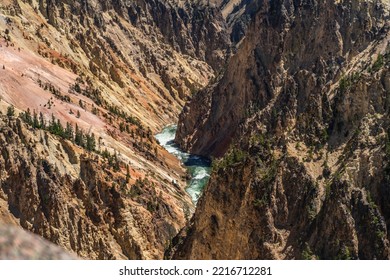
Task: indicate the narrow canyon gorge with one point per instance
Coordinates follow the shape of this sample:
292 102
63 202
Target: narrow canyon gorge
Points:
204 129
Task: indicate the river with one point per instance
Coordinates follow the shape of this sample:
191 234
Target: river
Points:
198 167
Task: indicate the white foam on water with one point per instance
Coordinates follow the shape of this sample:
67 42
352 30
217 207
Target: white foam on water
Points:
198 173
167 135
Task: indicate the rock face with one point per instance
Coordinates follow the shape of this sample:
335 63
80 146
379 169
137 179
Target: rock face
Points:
266 65
144 56
190 28
112 73
75 199
116 72
238 14
301 118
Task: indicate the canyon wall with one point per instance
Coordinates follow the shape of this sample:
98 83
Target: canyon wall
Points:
300 123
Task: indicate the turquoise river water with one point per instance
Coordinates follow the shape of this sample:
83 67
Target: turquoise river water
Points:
198 167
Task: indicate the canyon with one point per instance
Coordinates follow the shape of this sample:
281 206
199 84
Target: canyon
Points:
84 87
299 125
289 99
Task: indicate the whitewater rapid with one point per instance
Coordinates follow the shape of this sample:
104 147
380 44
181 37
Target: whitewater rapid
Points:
198 167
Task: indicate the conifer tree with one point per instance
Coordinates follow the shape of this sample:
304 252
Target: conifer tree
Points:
42 123
69 134
35 123
79 137
28 117
91 142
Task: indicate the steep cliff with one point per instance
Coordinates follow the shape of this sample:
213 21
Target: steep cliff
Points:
144 56
301 118
85 85
281 48
190 28
238 14
85 202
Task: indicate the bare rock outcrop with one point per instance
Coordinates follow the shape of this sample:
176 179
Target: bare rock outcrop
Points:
282 56
84 206
301 120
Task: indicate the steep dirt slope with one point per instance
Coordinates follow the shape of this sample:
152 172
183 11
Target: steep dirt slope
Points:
85 86
140 55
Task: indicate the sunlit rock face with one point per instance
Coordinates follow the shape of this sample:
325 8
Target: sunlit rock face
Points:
299 120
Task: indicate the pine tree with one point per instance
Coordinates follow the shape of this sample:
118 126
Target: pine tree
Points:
79 137
69 134
28 117
60 129
91 142
81 104
52 123
35 123
42 123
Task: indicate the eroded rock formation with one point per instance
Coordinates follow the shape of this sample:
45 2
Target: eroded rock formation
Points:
301 118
